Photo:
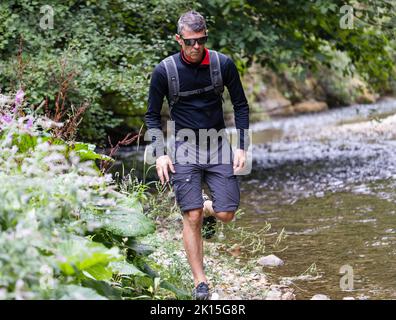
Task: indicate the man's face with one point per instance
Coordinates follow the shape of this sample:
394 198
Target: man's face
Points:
193 53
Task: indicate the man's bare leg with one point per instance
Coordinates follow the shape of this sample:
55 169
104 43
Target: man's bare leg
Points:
193 243
192 237
224 216
208 208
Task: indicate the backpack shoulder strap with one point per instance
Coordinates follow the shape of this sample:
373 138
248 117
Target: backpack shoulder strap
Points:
215 72
173 79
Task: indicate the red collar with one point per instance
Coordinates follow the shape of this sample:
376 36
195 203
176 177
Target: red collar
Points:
205 61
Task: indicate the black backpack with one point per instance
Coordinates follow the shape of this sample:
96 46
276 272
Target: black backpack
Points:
173 78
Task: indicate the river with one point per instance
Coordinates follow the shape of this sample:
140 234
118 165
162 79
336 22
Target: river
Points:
329 181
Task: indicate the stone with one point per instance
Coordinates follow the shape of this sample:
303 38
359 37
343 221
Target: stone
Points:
274 294
348 298
235 250
270 261
215 296
310 106
320 297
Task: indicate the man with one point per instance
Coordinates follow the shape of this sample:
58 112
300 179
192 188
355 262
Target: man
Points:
199 108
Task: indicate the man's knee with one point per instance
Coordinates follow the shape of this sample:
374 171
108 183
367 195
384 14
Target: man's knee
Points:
225 216
193 218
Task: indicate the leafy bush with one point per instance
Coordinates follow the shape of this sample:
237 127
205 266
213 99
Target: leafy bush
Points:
110 47
66 232
113 45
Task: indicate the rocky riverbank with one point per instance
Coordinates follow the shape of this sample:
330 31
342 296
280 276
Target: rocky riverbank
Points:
231 276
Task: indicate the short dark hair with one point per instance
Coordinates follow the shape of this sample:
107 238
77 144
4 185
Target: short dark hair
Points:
193 20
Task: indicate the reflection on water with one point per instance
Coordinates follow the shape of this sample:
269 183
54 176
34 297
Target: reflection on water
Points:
335 229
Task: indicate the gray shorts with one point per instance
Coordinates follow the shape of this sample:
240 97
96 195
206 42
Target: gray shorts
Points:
220 179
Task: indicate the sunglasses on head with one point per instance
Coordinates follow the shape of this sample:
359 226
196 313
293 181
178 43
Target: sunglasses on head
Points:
191 42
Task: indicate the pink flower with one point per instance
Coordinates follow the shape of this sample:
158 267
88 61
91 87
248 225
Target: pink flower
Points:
19 97
6 118
29 123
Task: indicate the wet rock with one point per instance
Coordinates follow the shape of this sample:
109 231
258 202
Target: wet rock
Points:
270 261
310 106
320 297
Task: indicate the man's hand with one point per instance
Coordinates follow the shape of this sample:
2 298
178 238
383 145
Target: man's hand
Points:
239 160
162 164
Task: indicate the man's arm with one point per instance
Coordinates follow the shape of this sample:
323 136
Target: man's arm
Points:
241 111
158 90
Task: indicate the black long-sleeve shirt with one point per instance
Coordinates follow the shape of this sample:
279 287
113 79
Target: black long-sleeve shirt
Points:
200 111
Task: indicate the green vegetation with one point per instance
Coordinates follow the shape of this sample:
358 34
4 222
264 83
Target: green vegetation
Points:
67 230
70 231
108 48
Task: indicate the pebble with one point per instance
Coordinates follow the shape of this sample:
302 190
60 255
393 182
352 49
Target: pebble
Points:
215 296
270 261
245 285
320 297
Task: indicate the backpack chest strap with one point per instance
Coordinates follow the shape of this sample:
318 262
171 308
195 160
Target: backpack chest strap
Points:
196 91
174 81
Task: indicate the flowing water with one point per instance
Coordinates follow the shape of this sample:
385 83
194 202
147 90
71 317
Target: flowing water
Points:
329 181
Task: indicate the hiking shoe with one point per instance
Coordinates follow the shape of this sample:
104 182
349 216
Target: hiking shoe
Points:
209 227
201 292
